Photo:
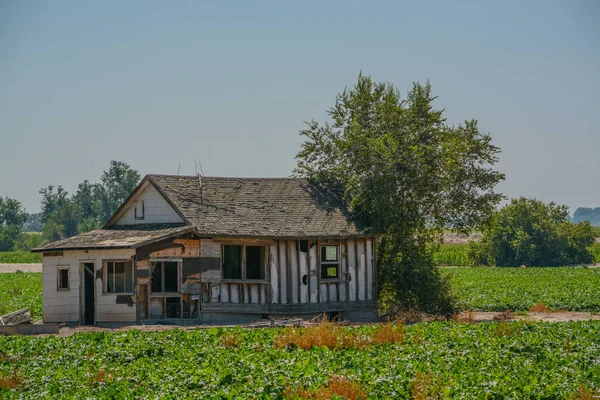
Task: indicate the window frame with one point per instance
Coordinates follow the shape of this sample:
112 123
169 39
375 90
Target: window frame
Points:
243 263
105 276
135 210
60 268
338 262
163 293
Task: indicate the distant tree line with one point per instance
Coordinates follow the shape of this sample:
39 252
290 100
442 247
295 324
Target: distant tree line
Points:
64 215
592 215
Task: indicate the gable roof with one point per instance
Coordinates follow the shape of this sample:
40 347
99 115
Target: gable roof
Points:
256 207
287 208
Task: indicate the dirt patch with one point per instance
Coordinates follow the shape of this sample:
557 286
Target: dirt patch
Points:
559 316
8 268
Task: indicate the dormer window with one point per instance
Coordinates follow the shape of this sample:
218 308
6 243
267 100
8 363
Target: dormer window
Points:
139 210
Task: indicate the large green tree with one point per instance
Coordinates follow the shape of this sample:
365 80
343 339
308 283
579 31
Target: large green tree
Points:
407 175
530 232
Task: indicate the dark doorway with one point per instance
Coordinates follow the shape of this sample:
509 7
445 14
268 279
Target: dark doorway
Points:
89 304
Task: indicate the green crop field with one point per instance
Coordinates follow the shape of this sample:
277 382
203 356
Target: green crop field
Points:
20 290
455 255
19 257
517 289
494 360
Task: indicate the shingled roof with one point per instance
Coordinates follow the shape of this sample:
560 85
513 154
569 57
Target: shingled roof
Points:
256 207
118 237
289 208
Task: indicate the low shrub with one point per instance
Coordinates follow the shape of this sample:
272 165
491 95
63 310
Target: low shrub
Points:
327 334
337 387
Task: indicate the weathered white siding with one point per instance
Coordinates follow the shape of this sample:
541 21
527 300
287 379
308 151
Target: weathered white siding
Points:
156 209
65 305
287 268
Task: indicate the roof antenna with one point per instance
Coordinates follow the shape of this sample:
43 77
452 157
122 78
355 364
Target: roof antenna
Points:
199 179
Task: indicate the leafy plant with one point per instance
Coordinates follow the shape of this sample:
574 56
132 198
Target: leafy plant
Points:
519 289
436 360
21 290
20 257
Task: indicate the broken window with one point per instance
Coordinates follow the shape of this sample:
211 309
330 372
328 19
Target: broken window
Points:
191 305
232 262
165 276
63 278
139 210
118 277
302 245
330 262
173 307
255 262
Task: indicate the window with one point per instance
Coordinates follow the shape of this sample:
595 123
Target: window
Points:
63 278
118 277
165 276
232 262
330 262
255 262
138 211
251 266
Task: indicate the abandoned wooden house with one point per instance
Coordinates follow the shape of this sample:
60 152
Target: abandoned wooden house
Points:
186 249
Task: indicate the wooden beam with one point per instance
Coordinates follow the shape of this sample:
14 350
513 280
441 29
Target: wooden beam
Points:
278 266
308 269
293 309
374 283
268 274
298 272
246 241
288 269
347 272
318 272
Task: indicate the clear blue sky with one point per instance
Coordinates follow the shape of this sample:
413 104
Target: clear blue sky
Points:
158 84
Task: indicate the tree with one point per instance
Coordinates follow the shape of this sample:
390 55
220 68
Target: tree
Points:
27 241
12 218
33 223
88 204
90 207
530 232
406 175
117 183
59 212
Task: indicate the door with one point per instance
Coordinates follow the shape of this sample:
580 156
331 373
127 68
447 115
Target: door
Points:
89 305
